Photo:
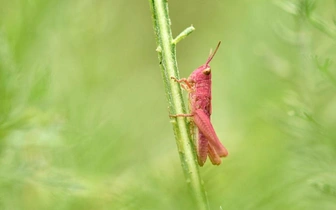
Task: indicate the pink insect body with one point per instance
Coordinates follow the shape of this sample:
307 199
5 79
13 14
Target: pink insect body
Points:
198 85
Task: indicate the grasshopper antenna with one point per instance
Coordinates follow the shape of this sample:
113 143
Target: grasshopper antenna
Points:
212 54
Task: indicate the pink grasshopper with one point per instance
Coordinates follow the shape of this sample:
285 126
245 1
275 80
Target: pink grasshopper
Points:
198 85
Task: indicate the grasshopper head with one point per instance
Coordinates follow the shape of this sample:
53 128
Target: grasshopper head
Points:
204 72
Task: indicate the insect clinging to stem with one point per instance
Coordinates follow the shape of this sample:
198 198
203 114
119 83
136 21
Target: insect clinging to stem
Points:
198 86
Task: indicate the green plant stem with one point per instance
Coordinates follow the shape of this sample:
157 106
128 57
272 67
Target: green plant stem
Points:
167 55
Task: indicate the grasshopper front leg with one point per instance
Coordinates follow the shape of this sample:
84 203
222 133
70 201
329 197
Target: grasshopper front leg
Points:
187 86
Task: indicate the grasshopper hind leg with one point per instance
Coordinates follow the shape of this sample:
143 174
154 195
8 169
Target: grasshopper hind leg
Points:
202 149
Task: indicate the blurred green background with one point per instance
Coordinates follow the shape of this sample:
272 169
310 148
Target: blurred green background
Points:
83 113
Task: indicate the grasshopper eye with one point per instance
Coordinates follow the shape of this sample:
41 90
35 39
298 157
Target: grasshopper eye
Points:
207 71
